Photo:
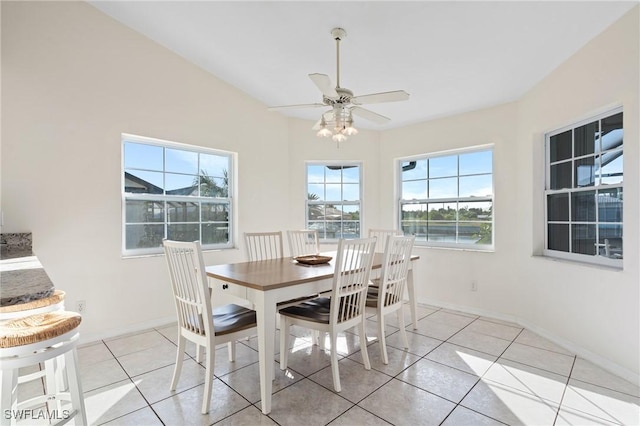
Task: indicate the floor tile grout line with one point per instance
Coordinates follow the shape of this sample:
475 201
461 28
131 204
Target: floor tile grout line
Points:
133 383
606 387
175 393
559 404
458 404
564 391
351 408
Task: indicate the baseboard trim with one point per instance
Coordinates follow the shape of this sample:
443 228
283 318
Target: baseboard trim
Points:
91 338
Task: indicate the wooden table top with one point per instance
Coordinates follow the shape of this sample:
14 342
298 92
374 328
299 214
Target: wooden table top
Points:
271 274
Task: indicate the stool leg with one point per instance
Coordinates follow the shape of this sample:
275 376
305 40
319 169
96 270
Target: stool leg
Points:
53 385
75 387
8 396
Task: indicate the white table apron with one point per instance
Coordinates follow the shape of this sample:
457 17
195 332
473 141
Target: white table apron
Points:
265 304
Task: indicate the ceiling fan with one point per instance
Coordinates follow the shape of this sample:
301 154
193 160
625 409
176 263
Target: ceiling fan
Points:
338 121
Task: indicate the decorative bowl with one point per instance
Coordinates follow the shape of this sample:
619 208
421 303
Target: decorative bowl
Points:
313 259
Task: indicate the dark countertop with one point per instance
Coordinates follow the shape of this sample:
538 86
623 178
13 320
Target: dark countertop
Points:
22 277
23 280
11 252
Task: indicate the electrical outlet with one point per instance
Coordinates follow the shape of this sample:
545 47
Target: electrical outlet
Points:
81 305
474 285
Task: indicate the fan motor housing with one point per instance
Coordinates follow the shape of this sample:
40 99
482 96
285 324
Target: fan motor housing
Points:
344 97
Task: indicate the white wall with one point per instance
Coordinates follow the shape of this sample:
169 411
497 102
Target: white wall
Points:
73 80
592 310
596 309
444 276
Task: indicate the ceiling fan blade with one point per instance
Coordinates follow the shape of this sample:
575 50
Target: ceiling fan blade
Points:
323 82
277 108
370 115
375 98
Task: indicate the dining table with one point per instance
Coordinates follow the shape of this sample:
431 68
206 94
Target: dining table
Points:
269 282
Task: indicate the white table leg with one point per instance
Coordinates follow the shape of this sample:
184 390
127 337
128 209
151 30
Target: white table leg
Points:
412 299
266 316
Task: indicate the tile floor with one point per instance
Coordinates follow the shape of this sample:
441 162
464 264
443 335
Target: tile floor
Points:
460 369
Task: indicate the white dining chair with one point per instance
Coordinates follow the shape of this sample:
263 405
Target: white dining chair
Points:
387 297
381 235
345 308
303 242
263 245
197 321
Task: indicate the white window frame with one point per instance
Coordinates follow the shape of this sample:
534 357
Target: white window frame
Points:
229 200
578 257
309 203
457 152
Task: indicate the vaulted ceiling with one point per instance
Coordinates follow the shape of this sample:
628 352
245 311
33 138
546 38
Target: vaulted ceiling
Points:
450 56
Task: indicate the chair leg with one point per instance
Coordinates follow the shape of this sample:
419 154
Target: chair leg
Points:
334 361
382 339
285 336
198 354
231 347
363 345
179 358
403 332
210 357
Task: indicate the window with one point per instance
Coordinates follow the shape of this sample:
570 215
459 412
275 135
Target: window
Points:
333 199
174 191
447 200
583 193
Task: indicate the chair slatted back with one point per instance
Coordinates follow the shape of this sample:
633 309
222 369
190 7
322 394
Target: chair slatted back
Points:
189 284
303 242
354 259
395 269
264 245
381 235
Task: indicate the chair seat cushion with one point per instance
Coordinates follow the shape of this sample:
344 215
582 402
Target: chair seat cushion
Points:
37 328
231 318
316 310
372 296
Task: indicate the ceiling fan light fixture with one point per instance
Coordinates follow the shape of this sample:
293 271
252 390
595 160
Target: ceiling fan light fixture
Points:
350 130
324 133
339 137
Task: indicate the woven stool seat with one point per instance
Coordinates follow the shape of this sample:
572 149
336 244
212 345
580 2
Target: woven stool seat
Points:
56 298
36 328
45 341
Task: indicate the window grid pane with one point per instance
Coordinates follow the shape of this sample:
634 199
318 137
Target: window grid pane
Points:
448 200
333 200
584 194
184 184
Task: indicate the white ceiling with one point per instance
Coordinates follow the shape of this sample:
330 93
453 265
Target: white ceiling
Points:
451 56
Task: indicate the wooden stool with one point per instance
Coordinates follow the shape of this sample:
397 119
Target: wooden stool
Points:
47 304
49 338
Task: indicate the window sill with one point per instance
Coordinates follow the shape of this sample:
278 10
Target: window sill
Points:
574 262
141 256
469 249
